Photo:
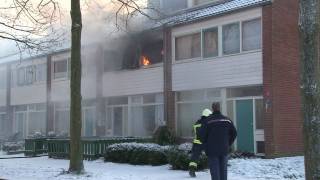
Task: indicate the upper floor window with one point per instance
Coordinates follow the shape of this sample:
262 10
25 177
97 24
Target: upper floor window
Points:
251 35
231 38
188 46
31 74
61 69
3 79
210 42
112 61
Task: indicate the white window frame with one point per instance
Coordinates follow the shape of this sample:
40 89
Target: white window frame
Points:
220 40
65 77
205 100
94 130
256 132
261 35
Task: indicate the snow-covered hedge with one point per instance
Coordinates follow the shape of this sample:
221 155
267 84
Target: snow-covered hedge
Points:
137 153
179 157
13 146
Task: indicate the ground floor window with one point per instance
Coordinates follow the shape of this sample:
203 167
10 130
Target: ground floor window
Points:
62 119
89 121
29 119
190 105
3 124
137 115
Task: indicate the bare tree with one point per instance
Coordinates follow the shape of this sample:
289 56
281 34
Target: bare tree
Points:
125 9
30 24
310 84
76 155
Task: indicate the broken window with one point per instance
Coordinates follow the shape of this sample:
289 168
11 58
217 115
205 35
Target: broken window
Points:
151 53
188 46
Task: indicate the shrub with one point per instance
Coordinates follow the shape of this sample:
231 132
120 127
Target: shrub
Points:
37 135
164 136
13 146
179 157
137 153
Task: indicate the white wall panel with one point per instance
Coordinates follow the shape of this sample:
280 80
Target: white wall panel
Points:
238 70
142 81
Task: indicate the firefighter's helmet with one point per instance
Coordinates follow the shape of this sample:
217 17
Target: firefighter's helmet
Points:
206 112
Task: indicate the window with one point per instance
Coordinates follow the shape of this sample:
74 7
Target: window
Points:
231 38
3 79
171 6
41 72
146 116
244 91
3 124
188 47
30 74
199 2
60 69
112 61
21 76
251 35
210 42
190 105
62 121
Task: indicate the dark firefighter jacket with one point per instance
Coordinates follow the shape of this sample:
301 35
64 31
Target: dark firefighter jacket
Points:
217 133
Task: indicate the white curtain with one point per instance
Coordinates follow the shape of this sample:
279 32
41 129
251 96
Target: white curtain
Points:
211 43
188 46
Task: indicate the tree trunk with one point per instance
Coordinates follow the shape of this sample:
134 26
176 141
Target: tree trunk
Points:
310 84
76 163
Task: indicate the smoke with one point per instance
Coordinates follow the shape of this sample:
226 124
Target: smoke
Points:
105 34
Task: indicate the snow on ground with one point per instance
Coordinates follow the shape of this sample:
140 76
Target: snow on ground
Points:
43 168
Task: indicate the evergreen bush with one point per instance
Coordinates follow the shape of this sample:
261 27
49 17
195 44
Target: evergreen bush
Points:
137 153
180 156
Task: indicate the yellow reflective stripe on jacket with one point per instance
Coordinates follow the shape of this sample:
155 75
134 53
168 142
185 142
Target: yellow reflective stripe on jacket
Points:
196 140
193 164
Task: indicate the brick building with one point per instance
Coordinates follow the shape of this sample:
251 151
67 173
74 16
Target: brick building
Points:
241 53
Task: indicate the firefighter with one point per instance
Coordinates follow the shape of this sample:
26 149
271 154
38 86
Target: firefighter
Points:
197 145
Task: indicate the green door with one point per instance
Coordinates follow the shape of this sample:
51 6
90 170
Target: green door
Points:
244 114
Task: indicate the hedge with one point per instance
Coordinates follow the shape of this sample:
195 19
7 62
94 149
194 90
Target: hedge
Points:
153 154
179 157
137 153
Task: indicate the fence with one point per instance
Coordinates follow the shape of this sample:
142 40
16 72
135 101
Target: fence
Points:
60 148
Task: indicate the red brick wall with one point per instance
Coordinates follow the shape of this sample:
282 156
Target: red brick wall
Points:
283 120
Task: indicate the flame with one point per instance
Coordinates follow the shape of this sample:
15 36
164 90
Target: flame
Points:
145 61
